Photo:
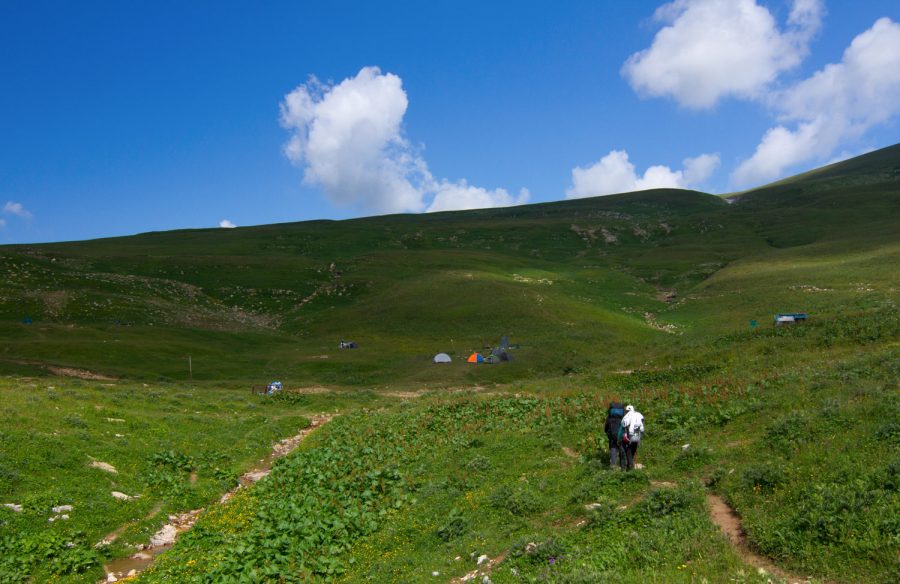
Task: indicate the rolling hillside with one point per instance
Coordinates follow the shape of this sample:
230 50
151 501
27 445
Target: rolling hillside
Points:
578 283
772 454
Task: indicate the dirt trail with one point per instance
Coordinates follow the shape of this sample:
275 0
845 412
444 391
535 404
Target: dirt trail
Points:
481 571
165 538
730 524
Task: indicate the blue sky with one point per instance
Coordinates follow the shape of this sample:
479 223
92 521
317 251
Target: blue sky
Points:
124 117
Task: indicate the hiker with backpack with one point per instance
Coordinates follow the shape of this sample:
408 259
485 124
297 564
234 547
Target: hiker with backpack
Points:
614 416
630 431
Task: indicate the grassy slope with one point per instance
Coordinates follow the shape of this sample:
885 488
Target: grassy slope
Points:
253 303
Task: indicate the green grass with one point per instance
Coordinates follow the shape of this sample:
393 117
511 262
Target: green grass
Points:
796 427
155 436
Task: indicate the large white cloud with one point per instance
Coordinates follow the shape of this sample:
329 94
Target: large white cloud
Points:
349 139
836 105
614 173
716 48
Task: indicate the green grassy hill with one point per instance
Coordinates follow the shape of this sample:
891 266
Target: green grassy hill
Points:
563 279
644 297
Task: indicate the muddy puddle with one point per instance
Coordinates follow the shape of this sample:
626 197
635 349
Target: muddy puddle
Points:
164 539
132 565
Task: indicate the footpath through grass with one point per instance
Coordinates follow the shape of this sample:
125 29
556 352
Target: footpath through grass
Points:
398 495
169 448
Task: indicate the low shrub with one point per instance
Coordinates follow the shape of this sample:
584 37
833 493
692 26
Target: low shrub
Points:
662 502
691 458
453 527
173 460
536 550
762 477
518 500
75 421
478 463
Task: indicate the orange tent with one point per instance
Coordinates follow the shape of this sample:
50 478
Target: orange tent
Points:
475 358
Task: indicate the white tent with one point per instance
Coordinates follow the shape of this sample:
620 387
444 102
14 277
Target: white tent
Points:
442 358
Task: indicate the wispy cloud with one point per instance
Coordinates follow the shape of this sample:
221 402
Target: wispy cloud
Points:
349 140
614 173
14 208
225 223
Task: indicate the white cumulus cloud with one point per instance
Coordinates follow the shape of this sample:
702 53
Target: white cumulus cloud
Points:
614 173
710 49
14 208
2 223
349 140
837 104
226 224
460 195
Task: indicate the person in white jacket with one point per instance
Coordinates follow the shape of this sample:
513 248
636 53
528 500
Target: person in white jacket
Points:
630 433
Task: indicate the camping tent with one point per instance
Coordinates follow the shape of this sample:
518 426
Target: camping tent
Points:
442 358
475 358
501 355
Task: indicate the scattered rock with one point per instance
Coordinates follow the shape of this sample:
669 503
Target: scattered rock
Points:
638 466
589 507
667 296
254 476
63 517
115 420
435 573
481 559
131 573
111 578
104 466
165 536
14 507
121 496
685 446
62 509
486 580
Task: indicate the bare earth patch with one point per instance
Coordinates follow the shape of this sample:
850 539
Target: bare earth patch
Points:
730 524
79 373
483 569
314 390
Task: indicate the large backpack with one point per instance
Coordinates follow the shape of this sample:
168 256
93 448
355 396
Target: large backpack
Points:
636 435
614 416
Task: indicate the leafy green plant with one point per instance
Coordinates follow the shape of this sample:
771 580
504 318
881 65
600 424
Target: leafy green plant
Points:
662 502
454 526
517 500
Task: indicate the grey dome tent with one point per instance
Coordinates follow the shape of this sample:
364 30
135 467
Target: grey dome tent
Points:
501 354
442 358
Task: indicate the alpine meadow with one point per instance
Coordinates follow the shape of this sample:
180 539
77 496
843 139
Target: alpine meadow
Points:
772 453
